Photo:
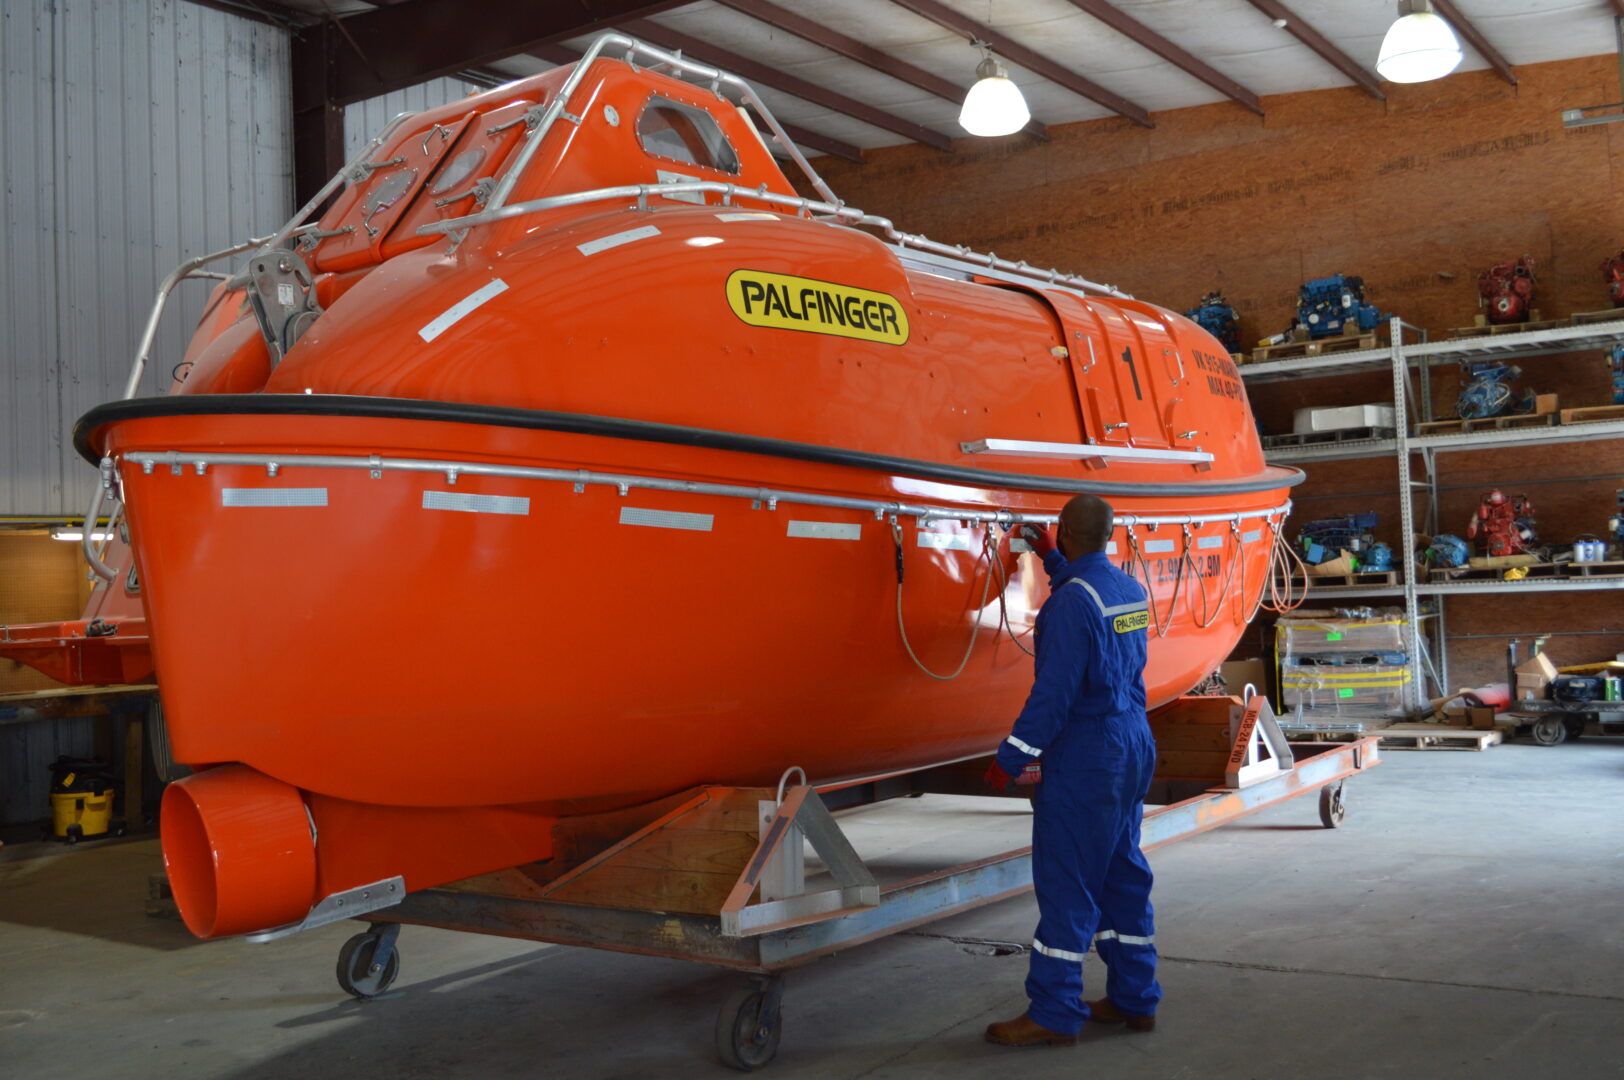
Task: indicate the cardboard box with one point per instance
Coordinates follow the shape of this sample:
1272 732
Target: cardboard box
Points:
1544 404
1533 676
1238 673
1337 567
1342 417
1482 718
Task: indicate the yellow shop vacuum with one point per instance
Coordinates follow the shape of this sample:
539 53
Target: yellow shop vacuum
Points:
82 800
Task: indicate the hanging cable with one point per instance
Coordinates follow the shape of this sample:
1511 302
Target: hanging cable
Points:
1003 606
902 628
1229 579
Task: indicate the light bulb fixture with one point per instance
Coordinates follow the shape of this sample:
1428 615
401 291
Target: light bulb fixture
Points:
74 532
1419 46
994 105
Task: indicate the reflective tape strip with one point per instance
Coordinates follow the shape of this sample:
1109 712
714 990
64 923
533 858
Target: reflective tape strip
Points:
944 541
613 240
476 504
1154 547
1110 547
1025 748
454 314
826 530
1210 542
1017 545
666 519
1126 939
1115 609
1058 954
273 496
747 216
1251 536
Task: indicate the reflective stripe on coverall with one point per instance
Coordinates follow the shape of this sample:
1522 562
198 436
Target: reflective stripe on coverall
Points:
1085 717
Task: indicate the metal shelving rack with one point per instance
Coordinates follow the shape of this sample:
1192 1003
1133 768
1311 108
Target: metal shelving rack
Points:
1411 367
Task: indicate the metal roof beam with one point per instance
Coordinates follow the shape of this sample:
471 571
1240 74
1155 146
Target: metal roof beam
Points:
949 19
1317 41
1463 26
402 44
862 53
1142 35
812 140
764 75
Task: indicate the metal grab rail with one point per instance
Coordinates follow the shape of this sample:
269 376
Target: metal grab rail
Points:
273 464
143 351
803 206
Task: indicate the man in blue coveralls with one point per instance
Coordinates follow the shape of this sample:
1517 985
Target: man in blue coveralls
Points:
1085 720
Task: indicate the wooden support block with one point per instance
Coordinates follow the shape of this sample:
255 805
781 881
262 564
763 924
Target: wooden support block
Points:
690 892
1209 737
719 851
1198 764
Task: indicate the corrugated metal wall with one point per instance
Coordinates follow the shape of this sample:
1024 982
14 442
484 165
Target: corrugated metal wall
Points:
133 135
366 118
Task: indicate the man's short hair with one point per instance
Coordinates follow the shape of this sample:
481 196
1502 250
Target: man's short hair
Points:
1089 521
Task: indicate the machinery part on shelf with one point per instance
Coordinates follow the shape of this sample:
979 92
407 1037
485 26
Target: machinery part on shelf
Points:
1615 364
369 962
1549 730
1214 315
1333 806
1335 305
1612 272
750 1024
1378 558
1486 391
1325 538
1504 525
1447 551
1506 290
1615 524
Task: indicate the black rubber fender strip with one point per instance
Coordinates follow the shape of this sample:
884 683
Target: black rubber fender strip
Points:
616 428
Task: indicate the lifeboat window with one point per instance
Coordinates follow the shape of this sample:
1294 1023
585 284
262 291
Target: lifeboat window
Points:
682 133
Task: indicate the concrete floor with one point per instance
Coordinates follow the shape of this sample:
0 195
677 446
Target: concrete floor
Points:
1468 920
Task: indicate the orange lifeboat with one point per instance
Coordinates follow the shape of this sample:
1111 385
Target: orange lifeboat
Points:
571 458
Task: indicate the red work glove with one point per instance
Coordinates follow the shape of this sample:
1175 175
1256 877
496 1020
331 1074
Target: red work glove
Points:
1040 540
996 778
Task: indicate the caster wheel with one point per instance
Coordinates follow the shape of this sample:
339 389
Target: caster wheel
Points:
76 833
1549 731
358 976
1575 725
745 1040
1331 807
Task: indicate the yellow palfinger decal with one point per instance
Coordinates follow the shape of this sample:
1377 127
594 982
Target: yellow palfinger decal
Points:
786 302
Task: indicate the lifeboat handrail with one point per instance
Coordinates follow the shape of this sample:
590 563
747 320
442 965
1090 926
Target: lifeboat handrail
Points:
972 261
149 460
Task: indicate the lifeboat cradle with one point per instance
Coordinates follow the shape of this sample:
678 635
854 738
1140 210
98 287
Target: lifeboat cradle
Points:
721 875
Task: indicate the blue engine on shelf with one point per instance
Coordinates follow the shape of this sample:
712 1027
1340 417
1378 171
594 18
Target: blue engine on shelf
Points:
1214 315
1488 391
1335 305
1616 361
1378 558
1326 538
1616 522
1448 550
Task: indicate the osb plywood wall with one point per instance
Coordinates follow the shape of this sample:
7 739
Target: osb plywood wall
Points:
1416 194
41 580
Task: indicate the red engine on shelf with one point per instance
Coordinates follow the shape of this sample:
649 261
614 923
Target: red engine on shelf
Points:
1507 290
1612 272
1502 525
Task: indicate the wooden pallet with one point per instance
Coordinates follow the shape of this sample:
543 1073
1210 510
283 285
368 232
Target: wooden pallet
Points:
1316 438
1239 358
1594 569
1438 737
1592 413
1585 318
1358 579
1323 347
1494 573
1488 329
1488 423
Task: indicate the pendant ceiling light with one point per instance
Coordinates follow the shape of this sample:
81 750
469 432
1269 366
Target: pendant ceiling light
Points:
1419 46
994 105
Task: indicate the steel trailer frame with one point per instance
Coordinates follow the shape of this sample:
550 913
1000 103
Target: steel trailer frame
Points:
748 1026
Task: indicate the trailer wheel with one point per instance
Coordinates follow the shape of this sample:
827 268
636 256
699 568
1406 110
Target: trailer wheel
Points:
748 1027
358 973
1549 730
1332 809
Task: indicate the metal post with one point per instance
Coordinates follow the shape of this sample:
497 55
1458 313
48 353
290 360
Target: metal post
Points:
1406 507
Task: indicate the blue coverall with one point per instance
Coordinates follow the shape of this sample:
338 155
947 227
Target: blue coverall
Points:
1085 718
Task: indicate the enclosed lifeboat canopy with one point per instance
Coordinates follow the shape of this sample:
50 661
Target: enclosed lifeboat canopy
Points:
571 458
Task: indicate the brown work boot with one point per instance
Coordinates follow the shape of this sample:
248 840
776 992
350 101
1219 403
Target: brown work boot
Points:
1025 1031
1103 1012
